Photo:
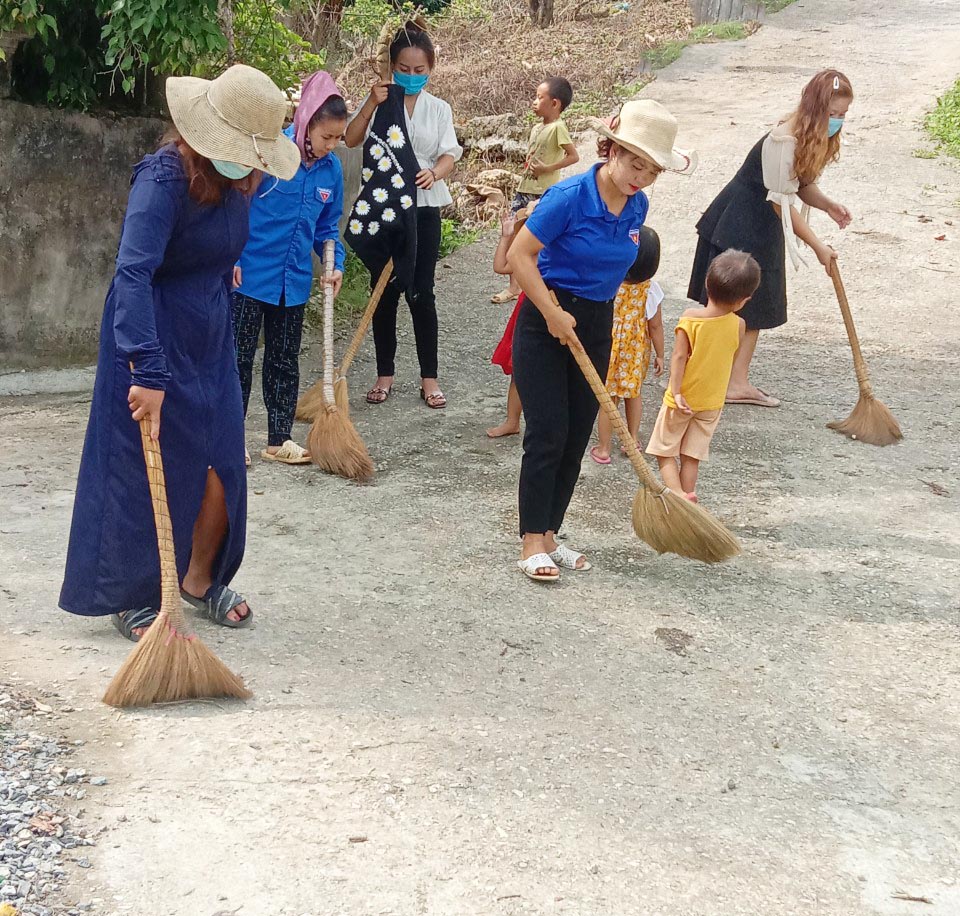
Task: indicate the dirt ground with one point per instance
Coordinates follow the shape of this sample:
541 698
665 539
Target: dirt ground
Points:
776 735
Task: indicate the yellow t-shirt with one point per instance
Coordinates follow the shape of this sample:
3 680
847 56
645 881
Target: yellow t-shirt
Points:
713 344
547 142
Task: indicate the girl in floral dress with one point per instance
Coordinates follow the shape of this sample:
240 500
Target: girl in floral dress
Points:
637 323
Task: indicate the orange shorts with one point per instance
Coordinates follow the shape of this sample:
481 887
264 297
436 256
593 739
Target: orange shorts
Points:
677 433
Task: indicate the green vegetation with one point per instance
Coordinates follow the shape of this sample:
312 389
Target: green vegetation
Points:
453 236
921 153
774 6
943 123
664 55
83 53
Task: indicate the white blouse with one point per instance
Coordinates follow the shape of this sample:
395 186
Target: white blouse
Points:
432 136
776 157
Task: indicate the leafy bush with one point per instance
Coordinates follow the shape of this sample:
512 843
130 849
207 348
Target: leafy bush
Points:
81 52
453 235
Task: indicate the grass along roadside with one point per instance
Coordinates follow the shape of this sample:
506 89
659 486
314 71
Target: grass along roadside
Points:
597 103
943 123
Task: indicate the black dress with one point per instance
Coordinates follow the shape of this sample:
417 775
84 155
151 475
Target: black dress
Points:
742 217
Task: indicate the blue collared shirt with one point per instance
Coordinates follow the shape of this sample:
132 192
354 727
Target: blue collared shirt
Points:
587 250
287 219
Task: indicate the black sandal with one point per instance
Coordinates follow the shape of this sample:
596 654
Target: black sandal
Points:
128 621
217 603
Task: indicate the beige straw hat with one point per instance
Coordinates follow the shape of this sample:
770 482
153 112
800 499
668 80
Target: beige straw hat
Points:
238 117
646 128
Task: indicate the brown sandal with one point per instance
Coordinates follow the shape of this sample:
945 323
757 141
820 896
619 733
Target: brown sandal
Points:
435 401
378 395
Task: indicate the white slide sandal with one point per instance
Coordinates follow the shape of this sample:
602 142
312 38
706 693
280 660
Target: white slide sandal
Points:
530 565
567 558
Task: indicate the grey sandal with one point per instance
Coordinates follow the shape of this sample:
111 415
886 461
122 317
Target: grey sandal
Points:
217 603
128 621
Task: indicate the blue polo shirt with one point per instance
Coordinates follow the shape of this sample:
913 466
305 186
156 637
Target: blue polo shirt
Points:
587 250
287 219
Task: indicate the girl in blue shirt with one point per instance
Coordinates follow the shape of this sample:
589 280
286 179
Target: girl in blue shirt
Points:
578 244
275 273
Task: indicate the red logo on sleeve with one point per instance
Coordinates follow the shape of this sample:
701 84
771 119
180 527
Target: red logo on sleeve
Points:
635 237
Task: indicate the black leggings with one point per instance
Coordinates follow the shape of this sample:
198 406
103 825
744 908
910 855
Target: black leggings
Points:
282 330
421 299
558 406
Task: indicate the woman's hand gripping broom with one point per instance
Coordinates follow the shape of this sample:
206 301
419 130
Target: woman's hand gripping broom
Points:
666 521
333 442
169 662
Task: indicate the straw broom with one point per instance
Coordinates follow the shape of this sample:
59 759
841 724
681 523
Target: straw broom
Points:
667 522
169 662
871 420
333 443
311 402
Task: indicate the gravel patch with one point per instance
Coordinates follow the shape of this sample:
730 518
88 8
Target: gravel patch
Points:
40 841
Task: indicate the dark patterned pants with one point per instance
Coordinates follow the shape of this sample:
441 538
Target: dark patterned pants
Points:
282 330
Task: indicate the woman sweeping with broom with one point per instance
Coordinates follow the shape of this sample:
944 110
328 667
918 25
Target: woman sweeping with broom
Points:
756 212
167 353
577 246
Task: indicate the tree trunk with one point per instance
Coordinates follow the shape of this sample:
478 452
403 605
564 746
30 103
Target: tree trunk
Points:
225 15
541 13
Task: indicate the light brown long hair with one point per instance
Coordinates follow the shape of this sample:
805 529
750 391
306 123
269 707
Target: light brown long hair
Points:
810 119
206 184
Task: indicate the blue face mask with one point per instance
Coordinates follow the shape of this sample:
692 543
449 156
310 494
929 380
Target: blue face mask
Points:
231 170
833 128
411 83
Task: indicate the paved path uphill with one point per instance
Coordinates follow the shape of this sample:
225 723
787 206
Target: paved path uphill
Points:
774 736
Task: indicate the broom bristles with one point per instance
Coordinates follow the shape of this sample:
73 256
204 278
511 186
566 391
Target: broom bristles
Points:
672 524
870 421
166 666
336 447
310 403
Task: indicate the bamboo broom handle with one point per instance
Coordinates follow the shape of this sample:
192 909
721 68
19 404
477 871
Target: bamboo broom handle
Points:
169 579
328 367
859 365
613 415
366 319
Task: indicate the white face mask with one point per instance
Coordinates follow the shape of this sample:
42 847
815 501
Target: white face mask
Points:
232 170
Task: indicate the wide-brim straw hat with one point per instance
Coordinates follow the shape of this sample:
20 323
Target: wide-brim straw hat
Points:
237 117
647 129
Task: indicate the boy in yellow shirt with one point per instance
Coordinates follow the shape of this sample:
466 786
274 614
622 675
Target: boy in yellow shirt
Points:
706 342
550 151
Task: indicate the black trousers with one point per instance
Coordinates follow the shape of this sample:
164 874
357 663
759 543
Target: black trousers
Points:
558 406
282 331
420 299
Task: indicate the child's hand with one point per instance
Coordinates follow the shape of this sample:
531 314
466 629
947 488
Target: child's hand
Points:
658 366
538 168
681 403
237 276
508 222
334 279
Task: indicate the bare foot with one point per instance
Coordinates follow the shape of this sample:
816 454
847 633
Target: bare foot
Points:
506 428
750 394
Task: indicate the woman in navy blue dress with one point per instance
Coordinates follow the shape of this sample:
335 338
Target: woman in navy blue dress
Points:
167 314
